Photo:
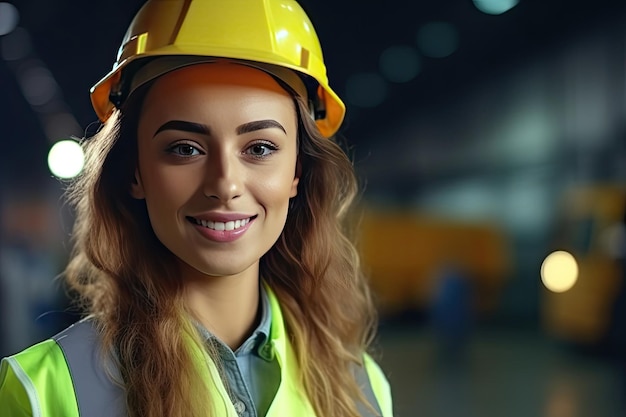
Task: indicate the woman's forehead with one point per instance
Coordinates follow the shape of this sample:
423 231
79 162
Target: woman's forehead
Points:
221 94
221 73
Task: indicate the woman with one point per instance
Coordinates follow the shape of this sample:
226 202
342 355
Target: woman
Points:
209 248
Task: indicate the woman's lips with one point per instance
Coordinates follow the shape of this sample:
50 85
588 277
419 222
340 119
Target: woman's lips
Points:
222 232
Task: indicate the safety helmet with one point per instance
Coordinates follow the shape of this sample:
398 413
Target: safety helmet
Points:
274 32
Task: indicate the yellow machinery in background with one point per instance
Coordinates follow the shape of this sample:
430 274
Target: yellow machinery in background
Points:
591 228
405 254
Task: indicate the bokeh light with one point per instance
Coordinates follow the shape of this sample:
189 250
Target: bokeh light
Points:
559 271
495 7
9 17
38 85
399 63
66 159
438 39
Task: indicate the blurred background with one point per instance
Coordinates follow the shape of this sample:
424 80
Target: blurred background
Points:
489 138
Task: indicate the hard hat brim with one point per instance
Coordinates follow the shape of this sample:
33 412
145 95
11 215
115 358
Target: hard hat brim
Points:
160 65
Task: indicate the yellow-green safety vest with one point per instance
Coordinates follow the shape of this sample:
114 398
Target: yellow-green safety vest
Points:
64 377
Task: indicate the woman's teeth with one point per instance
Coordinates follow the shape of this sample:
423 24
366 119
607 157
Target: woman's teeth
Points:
220 226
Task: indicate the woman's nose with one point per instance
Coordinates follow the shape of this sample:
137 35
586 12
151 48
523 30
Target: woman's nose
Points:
224 178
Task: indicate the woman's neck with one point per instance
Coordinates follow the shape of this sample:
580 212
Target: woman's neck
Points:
226 306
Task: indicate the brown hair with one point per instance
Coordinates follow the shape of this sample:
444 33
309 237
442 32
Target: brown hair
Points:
127 280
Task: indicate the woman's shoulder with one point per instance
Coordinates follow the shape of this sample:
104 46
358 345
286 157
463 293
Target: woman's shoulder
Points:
62 374
40 358
52 354
35 378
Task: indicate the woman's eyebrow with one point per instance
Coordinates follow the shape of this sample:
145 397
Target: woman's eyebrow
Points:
192 127
184 126
259 125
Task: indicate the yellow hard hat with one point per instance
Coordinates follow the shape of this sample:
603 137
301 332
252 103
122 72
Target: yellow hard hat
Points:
274 32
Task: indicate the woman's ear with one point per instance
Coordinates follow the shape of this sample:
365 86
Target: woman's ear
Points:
296 179
136 187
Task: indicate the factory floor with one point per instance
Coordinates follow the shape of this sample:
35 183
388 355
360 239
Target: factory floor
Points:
495 371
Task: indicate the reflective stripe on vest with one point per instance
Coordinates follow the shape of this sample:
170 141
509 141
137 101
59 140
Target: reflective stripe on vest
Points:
364 383
98 396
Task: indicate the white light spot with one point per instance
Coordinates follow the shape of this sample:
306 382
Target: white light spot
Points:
9 17
559 271
495 7
66 159
282 34
399 64
366 89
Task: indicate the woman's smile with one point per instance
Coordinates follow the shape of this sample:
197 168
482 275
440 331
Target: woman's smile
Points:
221 226
222 231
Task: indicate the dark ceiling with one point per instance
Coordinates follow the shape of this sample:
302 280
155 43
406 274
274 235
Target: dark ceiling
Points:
78 40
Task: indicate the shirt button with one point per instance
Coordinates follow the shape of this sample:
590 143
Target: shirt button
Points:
240 407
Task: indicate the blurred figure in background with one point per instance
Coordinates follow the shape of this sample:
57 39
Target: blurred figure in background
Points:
452 315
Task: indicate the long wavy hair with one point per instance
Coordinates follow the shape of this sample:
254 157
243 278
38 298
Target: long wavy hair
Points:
127 280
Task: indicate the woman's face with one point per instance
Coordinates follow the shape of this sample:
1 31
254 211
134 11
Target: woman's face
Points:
217 158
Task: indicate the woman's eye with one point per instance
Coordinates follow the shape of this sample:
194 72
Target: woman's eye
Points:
261 149
184 149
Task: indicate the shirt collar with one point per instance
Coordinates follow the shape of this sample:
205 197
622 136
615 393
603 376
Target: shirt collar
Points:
259 340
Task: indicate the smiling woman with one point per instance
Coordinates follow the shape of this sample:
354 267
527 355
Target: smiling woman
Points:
210 255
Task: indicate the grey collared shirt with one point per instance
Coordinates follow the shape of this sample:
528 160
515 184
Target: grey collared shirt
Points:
251 373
